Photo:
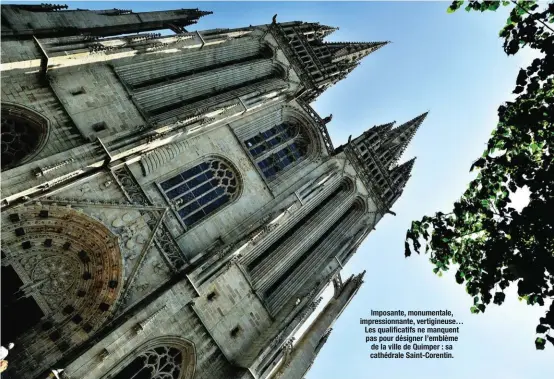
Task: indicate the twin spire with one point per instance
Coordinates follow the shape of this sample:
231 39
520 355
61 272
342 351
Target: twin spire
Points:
323 64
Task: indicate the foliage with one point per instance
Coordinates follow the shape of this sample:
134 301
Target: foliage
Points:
493 244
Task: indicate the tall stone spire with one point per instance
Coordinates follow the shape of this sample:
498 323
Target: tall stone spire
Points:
300 357
376 153
319 64
397 139
349 52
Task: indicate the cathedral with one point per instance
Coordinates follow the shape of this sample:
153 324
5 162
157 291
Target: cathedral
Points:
172 207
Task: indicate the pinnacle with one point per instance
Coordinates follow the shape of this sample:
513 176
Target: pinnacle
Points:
203 13
383 128
402 172
326 30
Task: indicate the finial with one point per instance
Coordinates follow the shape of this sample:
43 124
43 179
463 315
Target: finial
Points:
274 21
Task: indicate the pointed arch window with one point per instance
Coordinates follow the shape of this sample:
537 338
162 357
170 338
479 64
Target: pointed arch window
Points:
202 190
158 363
277 148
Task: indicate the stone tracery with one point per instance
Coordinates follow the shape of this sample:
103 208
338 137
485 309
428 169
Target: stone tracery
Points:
24 133
166 357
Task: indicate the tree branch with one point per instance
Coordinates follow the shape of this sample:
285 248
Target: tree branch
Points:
529 13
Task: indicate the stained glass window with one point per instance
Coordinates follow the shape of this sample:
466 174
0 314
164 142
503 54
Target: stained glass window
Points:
200 191
277 148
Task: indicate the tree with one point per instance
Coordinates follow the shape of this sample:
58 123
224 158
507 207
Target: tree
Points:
492 244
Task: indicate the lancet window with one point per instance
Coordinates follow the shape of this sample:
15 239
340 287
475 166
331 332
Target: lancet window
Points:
202 190
278 148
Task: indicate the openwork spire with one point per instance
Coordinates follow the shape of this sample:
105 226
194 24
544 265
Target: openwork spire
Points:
319 64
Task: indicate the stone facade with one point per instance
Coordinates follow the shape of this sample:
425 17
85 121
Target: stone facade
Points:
173 204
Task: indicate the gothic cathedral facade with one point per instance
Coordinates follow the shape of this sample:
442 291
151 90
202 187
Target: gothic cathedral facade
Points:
172 206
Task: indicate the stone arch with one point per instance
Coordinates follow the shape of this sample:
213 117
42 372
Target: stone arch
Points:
208 185
279 70
283 146
24 134
68 267
268 51
152 350
309 127
360 204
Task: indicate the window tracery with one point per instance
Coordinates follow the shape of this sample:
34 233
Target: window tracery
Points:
162 362
278 148
23 133
202 190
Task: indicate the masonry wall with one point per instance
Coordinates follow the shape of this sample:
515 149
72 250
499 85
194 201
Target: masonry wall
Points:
173 316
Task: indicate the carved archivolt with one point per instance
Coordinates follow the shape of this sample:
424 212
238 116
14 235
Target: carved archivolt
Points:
69 264
24 134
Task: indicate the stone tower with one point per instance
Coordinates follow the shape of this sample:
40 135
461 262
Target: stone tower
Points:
172 205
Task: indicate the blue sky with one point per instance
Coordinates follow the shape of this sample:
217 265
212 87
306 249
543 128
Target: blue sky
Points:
452 65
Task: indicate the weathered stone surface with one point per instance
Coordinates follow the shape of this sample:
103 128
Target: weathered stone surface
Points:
96 220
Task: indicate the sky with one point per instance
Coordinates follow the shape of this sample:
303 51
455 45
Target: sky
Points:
452 65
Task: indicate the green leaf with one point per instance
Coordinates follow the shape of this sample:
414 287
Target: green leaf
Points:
539 343
493 244
494 6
